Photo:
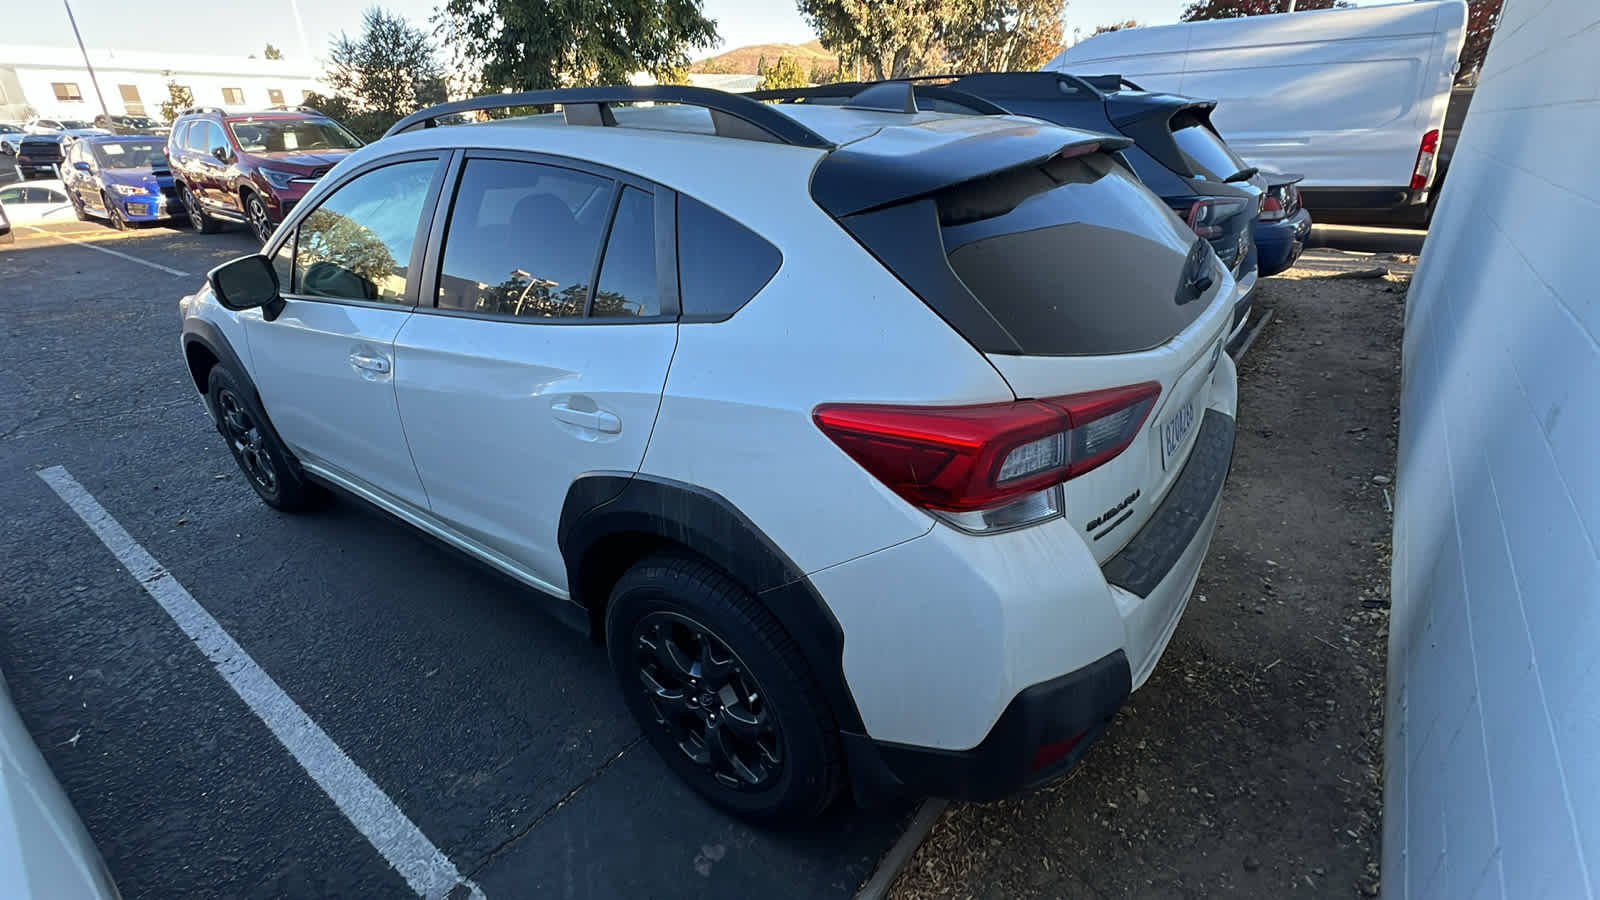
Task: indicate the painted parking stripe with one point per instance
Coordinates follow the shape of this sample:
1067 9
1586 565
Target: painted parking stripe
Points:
92 246
429 872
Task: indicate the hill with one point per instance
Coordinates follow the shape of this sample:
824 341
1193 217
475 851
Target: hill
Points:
743 60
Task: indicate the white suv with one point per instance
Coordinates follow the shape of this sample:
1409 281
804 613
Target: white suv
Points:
880 448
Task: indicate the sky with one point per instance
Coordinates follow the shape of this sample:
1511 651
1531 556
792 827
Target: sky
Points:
244 26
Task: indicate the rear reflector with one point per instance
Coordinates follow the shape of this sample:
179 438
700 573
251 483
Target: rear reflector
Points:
1425 154
966 458
1050 754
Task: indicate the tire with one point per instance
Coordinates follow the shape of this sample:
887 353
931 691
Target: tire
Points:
255 212
197 216
77 207
269 467
783 763
114 216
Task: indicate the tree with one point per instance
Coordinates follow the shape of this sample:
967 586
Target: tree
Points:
179 98
271 53
1202 10
819 75
391 70
1003 35
537 44
1482 18
761 65
894 38
1117 26
785 73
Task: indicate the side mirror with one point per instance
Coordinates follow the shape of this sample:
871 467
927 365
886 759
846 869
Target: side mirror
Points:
248 282
221 153
81 166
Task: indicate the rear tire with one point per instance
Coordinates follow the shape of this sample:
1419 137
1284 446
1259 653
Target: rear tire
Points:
269 467
721 691
198 219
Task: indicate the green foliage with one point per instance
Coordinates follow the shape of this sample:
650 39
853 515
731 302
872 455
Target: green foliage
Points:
913 37
179 98
761 65
538 44
389 71
1202 10
1003 35
271 52
820 75
785 73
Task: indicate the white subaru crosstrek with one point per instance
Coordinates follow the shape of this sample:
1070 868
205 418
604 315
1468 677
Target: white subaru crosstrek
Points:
880 447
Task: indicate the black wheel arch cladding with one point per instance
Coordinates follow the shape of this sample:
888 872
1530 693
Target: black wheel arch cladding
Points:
600 506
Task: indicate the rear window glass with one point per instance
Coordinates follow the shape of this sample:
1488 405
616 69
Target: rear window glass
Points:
1206 153
1073 257
721 264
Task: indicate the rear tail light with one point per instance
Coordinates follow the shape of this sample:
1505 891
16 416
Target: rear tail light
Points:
1272 209
1208 216
994 466
1425 154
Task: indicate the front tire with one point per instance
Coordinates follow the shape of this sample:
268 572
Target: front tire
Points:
721 691
265 462
198 219
255 210
77 207
114 214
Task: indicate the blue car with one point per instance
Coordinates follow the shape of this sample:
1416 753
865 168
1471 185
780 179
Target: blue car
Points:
1283 225
123 179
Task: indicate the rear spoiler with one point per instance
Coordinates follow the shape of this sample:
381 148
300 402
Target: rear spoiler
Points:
1148 118
1280 179
850 181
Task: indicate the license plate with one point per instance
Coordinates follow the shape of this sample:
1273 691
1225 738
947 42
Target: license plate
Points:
1174 430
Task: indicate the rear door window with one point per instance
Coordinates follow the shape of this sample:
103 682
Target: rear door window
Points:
629 280
523 240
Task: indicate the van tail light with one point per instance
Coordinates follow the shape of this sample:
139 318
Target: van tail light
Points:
1425 154
993 466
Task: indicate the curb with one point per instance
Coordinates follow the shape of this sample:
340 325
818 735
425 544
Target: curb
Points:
877 887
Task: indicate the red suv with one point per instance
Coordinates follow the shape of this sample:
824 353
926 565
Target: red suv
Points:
251 167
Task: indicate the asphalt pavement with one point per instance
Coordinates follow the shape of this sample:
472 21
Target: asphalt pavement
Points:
499 733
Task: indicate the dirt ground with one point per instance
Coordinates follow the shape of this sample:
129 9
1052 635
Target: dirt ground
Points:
1249 764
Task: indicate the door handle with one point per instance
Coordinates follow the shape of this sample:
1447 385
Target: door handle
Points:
376 364
596 420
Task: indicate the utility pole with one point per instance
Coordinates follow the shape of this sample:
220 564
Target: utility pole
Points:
86 64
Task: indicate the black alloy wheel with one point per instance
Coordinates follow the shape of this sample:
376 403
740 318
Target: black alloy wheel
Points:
707 699
247 441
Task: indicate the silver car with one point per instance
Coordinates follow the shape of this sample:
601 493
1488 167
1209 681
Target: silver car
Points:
45 852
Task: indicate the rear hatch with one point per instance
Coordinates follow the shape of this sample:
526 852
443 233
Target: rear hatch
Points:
1082 289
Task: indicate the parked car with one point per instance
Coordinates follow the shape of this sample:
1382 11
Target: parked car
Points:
1354 98
10 136
128 124
51 126
50 855
251 167
39 155
35 202
778 383
1175 152
124 180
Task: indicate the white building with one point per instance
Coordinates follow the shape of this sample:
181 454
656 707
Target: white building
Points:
52 82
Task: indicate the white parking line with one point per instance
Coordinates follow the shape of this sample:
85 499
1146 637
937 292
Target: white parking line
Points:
92 246
429 872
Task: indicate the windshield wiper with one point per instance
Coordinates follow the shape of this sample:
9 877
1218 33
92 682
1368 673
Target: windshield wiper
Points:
1241 175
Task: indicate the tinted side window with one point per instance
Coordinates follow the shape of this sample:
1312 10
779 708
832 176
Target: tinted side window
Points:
523 239
357 244
194 136
628 277
283 263
721 264
214 137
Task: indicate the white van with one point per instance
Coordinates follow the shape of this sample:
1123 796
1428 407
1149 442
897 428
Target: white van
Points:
1354 99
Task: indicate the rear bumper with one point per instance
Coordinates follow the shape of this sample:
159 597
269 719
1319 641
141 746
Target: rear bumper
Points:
1048 726
1279 244
1245 280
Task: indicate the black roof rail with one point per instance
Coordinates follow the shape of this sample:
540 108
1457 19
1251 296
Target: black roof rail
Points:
860 95
298 107
201 109
734 115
